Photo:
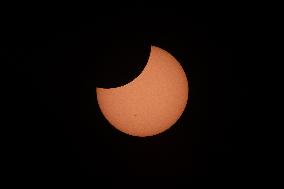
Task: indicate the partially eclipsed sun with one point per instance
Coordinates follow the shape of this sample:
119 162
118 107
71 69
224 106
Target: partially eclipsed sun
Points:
152 102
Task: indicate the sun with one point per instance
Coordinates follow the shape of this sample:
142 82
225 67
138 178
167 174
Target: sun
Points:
152 102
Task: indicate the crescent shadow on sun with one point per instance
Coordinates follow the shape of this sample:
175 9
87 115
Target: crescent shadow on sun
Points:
122 65
140 69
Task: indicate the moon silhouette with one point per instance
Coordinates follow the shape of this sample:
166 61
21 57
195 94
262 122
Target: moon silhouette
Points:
152 102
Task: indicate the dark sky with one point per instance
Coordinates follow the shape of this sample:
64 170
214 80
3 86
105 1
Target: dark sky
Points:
54 66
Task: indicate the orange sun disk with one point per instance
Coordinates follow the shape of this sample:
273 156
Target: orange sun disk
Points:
152 102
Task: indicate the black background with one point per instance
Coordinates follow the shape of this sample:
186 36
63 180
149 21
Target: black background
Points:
55 65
